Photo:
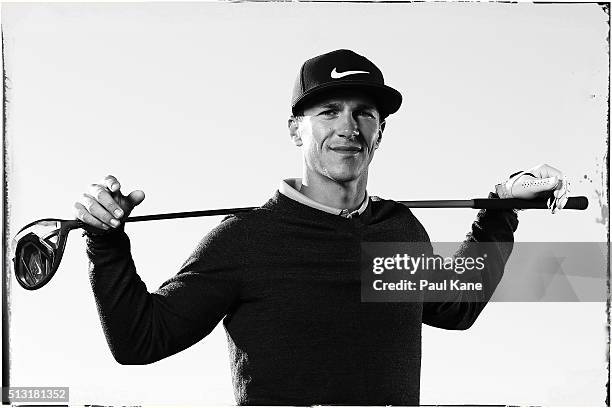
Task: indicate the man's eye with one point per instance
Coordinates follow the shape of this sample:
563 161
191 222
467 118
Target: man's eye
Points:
366 114
329 112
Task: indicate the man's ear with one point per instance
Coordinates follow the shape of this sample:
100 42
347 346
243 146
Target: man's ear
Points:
294 134
380 134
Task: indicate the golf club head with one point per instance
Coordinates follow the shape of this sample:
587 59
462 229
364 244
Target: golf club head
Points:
37 251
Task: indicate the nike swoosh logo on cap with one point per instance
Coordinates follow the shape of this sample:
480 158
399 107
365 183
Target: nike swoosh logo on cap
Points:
335 74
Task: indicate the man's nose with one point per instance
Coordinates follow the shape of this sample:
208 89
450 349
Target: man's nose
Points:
348 126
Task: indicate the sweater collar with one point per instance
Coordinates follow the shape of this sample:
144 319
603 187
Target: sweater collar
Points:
291 188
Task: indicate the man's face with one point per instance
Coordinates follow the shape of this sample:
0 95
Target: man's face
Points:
338 135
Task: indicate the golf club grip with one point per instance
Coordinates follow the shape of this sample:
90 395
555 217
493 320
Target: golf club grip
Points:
573 203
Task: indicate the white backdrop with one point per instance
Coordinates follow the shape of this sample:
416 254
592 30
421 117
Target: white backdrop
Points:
189 101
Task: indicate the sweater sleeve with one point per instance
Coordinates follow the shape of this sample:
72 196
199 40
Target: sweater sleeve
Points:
142 327
492 233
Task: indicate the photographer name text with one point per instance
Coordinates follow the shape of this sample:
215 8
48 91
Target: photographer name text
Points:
424 284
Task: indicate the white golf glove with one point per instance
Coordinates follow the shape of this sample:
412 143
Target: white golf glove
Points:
537 182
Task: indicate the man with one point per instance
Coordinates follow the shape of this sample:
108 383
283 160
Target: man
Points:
285 278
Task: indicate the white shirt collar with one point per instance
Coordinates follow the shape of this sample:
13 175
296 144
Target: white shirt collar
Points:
291 188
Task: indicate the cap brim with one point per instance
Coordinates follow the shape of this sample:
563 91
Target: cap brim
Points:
388 100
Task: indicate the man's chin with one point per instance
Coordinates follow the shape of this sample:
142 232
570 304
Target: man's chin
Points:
344 176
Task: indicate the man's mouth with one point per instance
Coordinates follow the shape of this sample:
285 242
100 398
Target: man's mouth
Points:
346 149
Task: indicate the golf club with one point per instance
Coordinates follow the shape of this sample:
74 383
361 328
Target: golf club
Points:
39 246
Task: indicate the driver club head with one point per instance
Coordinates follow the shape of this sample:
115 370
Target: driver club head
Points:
38 250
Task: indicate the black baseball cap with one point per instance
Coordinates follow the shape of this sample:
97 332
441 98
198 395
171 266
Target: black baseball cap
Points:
343 69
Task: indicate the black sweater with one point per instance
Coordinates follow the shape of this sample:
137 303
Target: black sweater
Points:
285 279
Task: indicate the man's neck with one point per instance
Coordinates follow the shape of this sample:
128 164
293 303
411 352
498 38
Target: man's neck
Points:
348 195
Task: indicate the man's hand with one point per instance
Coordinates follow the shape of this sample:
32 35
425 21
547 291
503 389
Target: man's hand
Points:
103 206
537 182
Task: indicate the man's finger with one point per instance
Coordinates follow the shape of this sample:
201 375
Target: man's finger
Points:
103 196
94 207
562 189
81 213
136 197
562 202
545 171
111 183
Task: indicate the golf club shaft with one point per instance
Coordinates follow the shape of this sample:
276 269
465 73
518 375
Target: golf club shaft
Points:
188 214
573 203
